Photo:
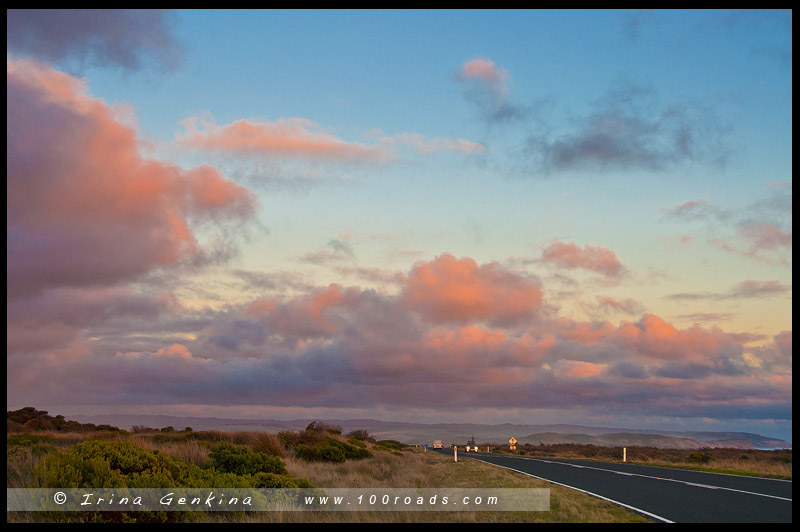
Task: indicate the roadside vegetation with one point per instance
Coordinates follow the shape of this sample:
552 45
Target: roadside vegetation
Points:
749 462
319 456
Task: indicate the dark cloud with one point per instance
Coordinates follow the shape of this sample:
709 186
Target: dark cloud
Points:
630 129
129 39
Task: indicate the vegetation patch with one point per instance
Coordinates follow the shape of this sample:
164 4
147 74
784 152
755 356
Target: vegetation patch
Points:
240 460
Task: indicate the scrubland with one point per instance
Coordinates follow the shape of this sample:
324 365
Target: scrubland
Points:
319 456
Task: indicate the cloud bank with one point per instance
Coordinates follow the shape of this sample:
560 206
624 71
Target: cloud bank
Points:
84 208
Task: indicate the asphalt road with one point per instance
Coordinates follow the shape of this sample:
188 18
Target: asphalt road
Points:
663 494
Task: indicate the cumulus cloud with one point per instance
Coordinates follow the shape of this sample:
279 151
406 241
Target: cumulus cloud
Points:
84 208
126 38
448 289
456 332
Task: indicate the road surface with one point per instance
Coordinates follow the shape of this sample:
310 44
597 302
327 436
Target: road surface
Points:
663 494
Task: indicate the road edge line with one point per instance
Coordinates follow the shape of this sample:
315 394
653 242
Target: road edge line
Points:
628 506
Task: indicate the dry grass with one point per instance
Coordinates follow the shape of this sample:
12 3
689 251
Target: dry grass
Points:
750 462
417 469
732 466
267 443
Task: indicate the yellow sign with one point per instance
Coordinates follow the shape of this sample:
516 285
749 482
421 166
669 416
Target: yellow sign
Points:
513 440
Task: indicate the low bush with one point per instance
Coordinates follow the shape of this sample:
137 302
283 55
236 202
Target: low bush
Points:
240 460
327 453
700 457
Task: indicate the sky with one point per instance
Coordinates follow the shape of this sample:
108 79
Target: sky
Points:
434 216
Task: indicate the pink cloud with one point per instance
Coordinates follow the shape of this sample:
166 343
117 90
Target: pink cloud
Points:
486 86
485 70
175 350
458 290
654 338
292 137
594 258
457 333
577 369
84 207
585 333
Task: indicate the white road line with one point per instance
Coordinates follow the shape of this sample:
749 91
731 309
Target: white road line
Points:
678 469
708 486
638 510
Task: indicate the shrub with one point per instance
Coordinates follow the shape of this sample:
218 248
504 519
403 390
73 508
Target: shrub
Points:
392 444
118 464
271 480
240 460
328 453
700 457
350 451
361 434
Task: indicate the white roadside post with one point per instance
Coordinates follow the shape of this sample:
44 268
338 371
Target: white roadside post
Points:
455 453
624 454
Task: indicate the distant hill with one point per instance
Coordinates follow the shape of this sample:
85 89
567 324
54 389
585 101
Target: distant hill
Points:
459 433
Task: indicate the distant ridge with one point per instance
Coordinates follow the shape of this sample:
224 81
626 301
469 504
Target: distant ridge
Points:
421 433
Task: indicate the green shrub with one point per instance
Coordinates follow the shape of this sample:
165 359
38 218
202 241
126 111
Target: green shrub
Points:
358 443
328 453
111 464
240 460
392 444
271 480
700 458
118 464
350 451
361 434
